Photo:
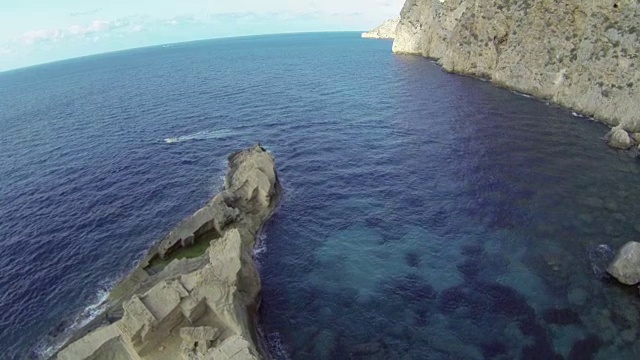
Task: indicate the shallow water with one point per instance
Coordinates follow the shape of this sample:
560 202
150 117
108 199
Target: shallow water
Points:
426 215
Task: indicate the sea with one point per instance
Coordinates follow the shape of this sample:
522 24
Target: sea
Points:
425 215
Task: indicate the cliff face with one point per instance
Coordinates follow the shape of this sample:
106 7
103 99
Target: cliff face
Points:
584 55
385 31
198 308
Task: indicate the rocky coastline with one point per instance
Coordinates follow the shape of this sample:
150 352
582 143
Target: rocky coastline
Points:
196 293
579 55
387 30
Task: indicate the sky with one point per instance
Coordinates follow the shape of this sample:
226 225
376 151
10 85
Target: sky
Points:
39 31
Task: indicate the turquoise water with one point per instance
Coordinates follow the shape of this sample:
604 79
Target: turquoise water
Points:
425 215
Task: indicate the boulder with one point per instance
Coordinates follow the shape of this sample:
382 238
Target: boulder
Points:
618 138
625 267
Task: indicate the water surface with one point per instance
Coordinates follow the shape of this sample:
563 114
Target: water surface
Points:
425 215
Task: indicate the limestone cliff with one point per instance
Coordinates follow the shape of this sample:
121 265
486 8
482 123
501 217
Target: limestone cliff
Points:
175 306
584 55
385 31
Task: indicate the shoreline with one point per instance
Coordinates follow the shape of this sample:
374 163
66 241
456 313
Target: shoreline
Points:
547 101
584 71
206 266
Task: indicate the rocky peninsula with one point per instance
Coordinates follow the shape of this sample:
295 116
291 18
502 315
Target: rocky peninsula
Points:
583 55
385 31
196 293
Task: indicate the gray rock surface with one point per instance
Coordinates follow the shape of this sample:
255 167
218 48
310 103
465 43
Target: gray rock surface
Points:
617 138
194 309
626 265
584 55
385 31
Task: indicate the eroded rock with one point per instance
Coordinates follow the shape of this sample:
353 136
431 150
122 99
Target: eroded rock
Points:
625 267
580 54
196 309
618 138
385 31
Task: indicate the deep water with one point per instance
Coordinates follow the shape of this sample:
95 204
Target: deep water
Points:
425 215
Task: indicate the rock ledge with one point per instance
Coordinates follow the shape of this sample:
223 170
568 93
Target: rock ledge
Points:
201 308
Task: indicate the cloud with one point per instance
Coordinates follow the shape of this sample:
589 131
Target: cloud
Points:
85 13
93 31
37 36
94 27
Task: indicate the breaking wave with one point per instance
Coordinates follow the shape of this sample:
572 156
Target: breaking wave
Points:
201 135
276 349
261 245
48 346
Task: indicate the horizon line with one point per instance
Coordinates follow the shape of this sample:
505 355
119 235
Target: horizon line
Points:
10 70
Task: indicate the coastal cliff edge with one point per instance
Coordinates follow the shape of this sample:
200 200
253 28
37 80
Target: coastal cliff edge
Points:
580 55
195 295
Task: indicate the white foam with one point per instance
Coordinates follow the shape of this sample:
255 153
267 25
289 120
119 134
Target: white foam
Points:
275 345
47 347
261 245
201 135
521 94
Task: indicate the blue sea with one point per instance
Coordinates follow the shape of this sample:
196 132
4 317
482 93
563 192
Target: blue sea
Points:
425 215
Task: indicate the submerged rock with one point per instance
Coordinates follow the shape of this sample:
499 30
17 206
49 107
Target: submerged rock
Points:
563 317
493 350
625 267
585 349
618 138
366 349
577 296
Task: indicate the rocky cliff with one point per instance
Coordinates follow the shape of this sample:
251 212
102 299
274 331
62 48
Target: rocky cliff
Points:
385 31
584 55
195 295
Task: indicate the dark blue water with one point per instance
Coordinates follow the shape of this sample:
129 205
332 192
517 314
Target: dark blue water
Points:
426 215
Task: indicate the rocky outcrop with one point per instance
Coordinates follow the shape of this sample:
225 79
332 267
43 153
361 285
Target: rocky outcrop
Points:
625 267
584 55
617 138
385 31
201 308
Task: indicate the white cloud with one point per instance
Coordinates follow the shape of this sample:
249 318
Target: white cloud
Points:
85 13
93 31
36 36
94 27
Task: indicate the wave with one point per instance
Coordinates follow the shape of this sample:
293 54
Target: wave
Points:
49 345
276 348
599 258
201 135
261 245
522 94
578 115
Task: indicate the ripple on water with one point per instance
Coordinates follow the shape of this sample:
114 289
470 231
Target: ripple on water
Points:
425 216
